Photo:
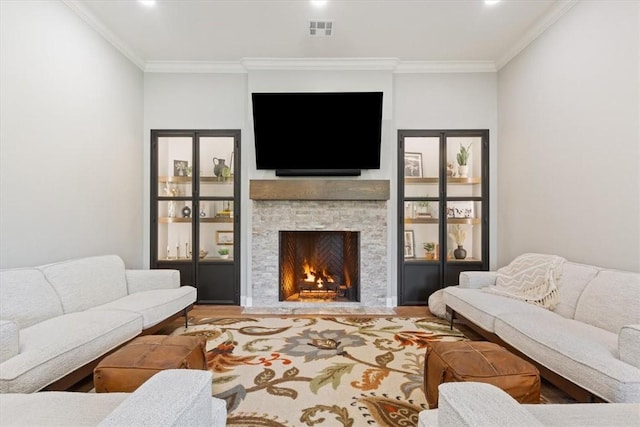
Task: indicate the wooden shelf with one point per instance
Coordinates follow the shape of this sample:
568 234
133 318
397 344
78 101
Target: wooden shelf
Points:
188 179
450 180
473 221
167 220
319 189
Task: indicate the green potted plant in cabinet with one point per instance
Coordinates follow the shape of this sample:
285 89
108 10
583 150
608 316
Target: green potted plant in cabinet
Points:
430 247
463 158
224 253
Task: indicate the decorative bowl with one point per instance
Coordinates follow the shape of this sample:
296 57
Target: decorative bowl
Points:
203 253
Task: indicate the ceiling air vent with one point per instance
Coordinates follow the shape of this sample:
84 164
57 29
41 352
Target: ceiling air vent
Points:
320 28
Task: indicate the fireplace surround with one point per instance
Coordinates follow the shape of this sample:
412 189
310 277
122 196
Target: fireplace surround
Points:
346 205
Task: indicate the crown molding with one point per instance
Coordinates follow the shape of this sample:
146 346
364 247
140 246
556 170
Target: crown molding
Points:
324 64
212 67
320 64
405 67
81 10
558 9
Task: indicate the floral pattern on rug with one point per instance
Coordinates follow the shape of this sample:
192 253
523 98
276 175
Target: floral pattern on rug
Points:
271 372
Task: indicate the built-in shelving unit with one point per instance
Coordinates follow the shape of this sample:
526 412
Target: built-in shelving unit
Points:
194 189
436 202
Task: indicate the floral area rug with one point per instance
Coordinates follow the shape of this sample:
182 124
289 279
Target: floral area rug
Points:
333 371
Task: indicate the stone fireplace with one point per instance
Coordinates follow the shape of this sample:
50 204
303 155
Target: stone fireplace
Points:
364 221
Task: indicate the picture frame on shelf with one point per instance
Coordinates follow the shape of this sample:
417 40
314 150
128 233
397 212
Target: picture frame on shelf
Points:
460 210
409 244
412 165
180 167
224 237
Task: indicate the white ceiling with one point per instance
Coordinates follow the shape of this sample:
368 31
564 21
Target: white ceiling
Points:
224 31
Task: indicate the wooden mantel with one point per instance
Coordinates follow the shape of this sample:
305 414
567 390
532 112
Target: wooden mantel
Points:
319 189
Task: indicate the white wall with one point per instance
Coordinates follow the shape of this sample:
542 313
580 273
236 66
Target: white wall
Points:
569 140
70 155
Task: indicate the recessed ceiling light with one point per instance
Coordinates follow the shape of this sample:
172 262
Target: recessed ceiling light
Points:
319 3
491 2
148 3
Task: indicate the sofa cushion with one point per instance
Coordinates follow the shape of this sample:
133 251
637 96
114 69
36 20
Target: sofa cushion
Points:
610 300
51 349
27 297
55 408
582 353
87 282
154 306
481 308
586 414
573 280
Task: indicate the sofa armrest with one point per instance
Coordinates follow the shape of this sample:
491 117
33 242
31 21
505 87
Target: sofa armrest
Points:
149 280
477 279
173 397
9 340
629 344
480 404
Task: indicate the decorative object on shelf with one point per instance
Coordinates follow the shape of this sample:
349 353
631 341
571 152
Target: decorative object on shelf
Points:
224 237
171 209
203 253
430 247
450 170
460 210
409 244
424 209
220 169
413 165
224 253
186 212
463 158
180 167
459 235
189 170
460 252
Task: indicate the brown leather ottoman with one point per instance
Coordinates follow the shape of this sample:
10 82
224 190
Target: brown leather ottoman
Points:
127 368
483 362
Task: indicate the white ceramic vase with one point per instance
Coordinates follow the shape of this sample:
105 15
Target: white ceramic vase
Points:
463 170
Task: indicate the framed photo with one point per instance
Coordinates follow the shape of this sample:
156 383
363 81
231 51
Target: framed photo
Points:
413 165
460 210
180 167
409 244
224 237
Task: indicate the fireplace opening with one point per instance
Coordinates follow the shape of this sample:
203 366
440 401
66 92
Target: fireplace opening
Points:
319 266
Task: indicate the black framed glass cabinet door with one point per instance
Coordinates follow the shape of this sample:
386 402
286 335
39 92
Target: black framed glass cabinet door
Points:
194 215
443 212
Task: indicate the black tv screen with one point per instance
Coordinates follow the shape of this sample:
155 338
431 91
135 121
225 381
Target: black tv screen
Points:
317 133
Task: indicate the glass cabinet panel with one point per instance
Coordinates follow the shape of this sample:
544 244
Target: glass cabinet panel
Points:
443 204
194 190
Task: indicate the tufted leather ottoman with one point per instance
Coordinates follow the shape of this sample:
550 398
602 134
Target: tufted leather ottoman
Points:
127 368
479 361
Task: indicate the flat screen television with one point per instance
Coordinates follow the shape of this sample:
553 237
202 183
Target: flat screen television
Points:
317 133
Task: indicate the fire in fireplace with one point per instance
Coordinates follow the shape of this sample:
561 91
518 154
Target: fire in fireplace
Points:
319 265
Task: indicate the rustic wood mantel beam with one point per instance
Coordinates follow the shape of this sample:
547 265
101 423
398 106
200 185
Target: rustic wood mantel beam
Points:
319 189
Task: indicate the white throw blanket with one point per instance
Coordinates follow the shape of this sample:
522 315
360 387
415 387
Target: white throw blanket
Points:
532 278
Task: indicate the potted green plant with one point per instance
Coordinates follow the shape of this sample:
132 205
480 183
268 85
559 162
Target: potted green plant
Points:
430 247
463 159
224 253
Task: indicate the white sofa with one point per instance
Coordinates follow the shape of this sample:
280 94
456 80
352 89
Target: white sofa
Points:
174 397
588 345
58 320
485 405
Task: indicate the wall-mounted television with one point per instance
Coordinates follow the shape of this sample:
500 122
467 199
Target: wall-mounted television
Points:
317 133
